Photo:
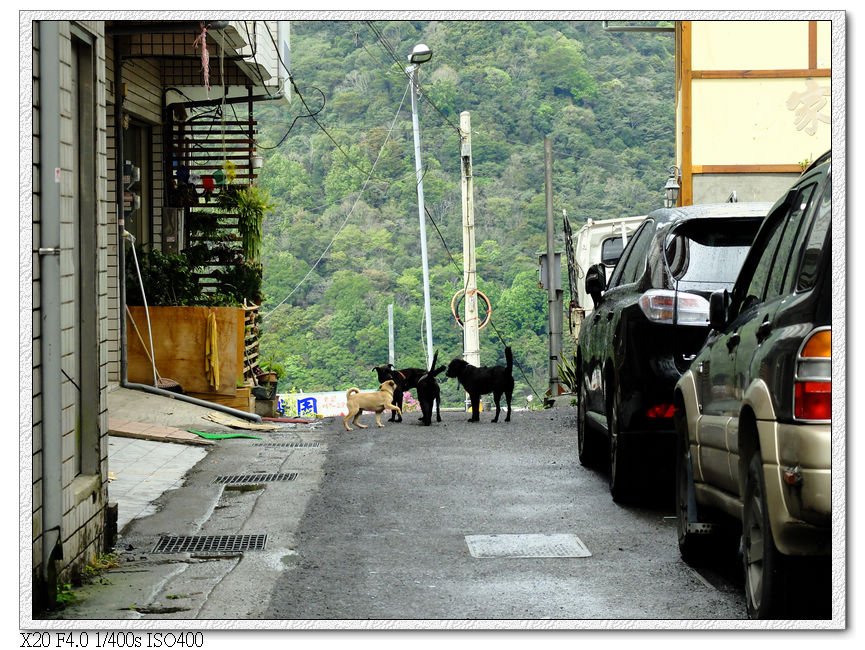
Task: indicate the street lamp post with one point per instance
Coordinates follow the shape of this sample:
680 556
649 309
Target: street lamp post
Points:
421 54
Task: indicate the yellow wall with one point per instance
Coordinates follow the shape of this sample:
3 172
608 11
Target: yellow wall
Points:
754 99
754 121
750 45
824 44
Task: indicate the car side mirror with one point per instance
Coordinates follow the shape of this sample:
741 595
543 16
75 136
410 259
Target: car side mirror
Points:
596 282
719 303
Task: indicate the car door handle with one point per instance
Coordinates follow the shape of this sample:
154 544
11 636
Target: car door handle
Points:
764 330
733 341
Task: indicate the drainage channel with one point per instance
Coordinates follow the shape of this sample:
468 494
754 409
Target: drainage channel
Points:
289 445
254 479
209 543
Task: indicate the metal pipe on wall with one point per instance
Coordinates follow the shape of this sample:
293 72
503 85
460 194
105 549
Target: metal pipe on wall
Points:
50 176
118 194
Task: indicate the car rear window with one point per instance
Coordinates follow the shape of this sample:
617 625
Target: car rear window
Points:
707 254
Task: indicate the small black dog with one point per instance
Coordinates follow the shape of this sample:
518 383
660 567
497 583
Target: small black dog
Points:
498 380
405 379
429 393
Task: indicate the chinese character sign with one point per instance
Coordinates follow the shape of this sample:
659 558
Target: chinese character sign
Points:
808 105
306 406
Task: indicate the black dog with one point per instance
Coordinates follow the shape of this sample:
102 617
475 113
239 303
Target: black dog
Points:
405 379
497 380
429 393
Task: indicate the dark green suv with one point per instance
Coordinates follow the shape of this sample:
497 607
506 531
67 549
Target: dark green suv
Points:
754 411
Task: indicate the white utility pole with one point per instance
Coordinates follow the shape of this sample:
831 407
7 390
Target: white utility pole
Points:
390 344
471 338
412 72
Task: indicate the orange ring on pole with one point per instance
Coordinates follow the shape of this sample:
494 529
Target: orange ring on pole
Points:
483 296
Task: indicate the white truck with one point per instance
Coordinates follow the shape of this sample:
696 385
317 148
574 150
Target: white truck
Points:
596 242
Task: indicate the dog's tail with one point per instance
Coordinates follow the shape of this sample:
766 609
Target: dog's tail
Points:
351 391
509 357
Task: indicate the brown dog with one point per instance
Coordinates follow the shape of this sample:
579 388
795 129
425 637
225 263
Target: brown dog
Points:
376 401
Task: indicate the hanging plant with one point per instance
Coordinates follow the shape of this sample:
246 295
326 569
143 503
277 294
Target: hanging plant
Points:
250 203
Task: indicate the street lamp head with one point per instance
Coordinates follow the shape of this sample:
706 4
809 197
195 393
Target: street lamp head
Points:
420 54
671 188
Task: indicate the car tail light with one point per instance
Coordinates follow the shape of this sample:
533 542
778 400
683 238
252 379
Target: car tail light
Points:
812 392
675 307
660 411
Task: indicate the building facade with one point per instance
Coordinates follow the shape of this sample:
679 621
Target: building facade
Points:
753 105
103 96
70 296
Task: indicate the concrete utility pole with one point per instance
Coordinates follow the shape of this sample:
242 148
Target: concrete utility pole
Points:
553 277
471 338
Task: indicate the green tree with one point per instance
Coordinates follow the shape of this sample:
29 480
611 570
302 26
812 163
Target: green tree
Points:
605 99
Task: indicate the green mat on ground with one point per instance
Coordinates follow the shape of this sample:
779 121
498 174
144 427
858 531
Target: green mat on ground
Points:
220 436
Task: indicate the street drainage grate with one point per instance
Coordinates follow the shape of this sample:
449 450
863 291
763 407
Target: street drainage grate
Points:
253 479
210 543
526 546
291 445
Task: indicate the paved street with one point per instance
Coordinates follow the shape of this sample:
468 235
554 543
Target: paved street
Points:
398 523
386 536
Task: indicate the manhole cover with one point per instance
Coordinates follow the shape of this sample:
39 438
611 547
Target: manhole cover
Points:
246 479
529 545
209 543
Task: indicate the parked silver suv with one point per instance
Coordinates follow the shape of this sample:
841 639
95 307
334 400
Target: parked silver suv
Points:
754 411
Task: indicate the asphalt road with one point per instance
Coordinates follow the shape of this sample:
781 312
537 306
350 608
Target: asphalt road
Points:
385 534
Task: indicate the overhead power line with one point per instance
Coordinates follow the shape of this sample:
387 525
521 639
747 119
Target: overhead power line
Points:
387 46
345 221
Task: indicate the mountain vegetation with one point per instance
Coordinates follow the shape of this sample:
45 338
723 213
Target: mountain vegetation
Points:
342 242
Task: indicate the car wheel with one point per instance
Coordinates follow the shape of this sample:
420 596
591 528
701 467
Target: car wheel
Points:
764 564
620 454
587 441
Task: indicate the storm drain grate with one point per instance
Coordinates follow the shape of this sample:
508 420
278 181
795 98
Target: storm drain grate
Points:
290 445
243 479
209 543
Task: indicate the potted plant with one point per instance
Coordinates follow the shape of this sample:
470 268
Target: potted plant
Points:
270 372
250 203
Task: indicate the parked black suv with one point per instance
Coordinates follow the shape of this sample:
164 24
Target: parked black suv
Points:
754 412
648 323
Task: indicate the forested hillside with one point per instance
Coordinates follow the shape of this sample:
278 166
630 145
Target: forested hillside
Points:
343 241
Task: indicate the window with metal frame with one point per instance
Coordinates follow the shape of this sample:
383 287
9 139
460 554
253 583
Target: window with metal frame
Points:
795 219
813 249
631 266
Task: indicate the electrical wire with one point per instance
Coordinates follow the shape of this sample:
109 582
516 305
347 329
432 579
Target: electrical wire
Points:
282 139
345 221
465 287
313 115
387 46
389 49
